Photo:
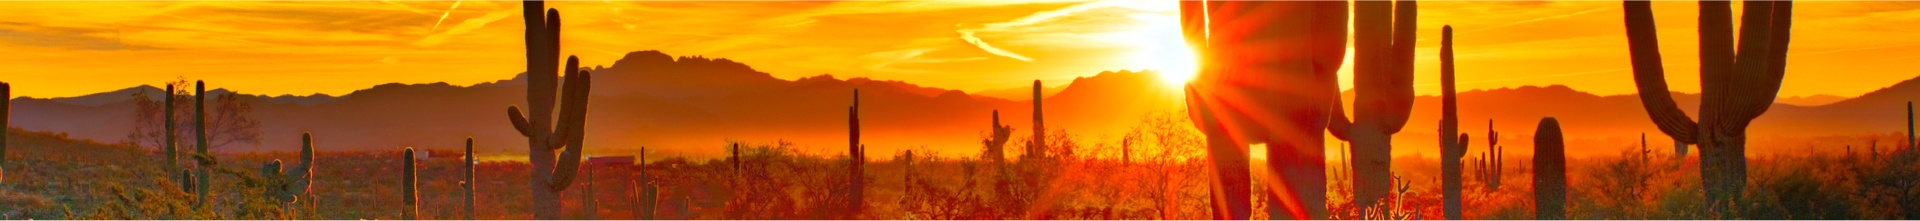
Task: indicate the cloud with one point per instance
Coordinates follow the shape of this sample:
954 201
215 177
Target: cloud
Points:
443 16
967 35
465 26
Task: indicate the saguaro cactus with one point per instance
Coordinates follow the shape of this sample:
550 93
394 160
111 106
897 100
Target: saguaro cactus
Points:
205 159
592 207
1451 150
6 107
996 142
171 153
1490 164
1735 89
288 186
1243 96
1383 93
1549 171
646 195
409 188
857 160
467 186
551 174
1038 147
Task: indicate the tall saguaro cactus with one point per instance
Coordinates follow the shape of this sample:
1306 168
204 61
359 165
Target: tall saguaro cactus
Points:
857 160
645 193
552 172
1451 149
1383 93
409 188
467 186
1736 86
171 152
6 107
206 159
1488 168
1549 171
1268 74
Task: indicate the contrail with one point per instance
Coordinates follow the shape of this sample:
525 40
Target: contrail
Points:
1588 11
443 16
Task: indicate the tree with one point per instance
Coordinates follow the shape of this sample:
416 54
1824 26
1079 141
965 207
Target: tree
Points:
230 119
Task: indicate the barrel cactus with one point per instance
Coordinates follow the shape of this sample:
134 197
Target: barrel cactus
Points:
1549 171
1737 86
552 172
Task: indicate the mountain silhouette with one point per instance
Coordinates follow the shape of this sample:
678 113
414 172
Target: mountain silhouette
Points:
693 106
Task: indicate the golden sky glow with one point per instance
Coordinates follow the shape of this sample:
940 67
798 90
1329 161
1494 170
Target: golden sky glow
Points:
59 49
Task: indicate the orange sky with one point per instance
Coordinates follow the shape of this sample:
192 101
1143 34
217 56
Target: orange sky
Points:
57 49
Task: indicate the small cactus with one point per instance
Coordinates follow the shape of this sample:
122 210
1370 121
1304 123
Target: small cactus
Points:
1489 167
857 160
996 142
592 209
645 193
410 192
1549 171
466 186
186 180
1039 125
287 186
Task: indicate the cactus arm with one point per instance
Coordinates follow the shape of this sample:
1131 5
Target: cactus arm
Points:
564 169
1398 103
1650 78
1763 52
519 121
563 130
575 125
1337 123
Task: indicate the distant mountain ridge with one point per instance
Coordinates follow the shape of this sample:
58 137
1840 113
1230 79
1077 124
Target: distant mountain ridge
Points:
693 106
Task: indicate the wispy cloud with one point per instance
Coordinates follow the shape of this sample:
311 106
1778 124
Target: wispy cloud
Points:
443 16
968 35
465 26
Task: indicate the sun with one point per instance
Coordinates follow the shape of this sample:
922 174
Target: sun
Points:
1156 44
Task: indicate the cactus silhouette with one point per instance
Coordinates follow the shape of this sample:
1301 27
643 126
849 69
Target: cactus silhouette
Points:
1238 100
6 107
1383 93
409 188
206 160
1038 148
1451 148
1488 168
1736 86
171 153
545 134
287 186
186 180
466 186
1549 171
592 208
645 193
856 161
996 141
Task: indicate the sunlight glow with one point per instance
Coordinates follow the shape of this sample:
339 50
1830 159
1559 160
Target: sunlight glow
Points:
1160 46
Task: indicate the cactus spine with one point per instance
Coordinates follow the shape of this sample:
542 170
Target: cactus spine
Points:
857 160
200 146
1287 108
1451 149
1549 171
545 134
1383 89
1736 86
409 190
466 186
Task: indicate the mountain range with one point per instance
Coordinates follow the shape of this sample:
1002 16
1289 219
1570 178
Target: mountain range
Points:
694 106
